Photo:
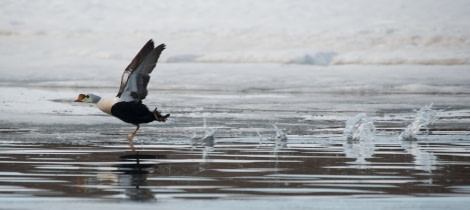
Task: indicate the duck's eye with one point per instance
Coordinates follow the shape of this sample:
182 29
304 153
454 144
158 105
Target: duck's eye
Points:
87 96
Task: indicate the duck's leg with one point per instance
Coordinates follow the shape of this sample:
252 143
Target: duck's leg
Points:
131 143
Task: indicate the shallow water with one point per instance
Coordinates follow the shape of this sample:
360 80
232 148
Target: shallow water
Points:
237 168
243 159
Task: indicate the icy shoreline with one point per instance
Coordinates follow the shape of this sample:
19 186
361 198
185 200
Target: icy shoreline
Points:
352 79
293 87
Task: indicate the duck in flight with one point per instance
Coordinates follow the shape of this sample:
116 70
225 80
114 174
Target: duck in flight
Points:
127 105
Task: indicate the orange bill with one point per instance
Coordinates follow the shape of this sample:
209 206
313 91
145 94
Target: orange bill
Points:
80 98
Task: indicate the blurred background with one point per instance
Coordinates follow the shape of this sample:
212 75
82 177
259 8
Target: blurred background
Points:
58 34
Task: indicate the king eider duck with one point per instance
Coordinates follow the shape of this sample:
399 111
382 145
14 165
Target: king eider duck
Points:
127 105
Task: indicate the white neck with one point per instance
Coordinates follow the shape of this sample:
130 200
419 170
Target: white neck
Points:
106 104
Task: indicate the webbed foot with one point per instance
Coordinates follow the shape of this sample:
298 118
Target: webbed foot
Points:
159 117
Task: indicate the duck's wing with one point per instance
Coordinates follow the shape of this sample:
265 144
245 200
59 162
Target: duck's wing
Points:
138 75
146 49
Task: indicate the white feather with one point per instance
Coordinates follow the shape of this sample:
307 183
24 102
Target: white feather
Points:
106 104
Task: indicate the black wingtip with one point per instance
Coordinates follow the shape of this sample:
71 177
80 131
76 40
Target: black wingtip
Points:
161 46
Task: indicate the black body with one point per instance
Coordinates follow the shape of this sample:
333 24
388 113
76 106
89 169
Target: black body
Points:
132 112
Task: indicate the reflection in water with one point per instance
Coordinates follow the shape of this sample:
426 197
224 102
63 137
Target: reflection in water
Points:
132 176
423 160
239 169
360 150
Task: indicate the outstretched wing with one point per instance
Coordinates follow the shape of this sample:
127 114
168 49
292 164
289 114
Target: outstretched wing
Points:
146 49
137 74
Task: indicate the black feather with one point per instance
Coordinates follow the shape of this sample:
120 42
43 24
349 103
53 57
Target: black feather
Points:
132 112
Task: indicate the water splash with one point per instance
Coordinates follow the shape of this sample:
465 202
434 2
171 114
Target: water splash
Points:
261 139
359 133
279 139
207 140
423 160
425 116
361 127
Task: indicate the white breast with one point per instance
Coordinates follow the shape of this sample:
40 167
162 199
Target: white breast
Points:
106 104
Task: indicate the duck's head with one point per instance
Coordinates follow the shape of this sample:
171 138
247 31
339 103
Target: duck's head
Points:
88 98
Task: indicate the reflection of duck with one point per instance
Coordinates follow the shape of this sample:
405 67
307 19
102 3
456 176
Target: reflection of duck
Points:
127 105
133 176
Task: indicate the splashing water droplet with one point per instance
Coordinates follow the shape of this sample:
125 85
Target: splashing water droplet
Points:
361 127
207 139
359 133
280 138
425 116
